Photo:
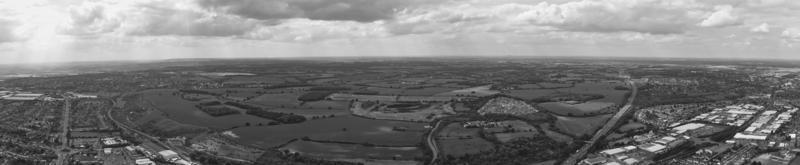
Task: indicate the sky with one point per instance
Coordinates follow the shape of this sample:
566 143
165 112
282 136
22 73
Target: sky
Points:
46 31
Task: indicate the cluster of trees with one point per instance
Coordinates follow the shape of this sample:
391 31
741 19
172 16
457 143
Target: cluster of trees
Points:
214 109
285 118
314 96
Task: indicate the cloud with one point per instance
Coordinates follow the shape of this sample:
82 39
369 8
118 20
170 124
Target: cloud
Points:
345 10
304 30
7 31
722 17
153 18
762 28
791 34
643 16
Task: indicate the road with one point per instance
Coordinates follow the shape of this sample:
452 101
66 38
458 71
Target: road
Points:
63 152
432 142
578 155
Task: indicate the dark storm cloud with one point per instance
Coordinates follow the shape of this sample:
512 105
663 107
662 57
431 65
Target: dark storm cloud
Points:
344 10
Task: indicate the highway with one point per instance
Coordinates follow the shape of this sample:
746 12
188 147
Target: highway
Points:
432 142
578 155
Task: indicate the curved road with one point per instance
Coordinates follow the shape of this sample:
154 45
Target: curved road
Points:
574 158
432 142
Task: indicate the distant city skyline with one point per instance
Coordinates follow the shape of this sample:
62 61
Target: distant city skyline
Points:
46 31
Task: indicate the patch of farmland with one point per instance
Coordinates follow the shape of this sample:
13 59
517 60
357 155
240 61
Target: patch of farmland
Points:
529 86
554 85
386 91
428 91
276 100
581 109
610 94
326 104
237 92
529 94
331 151
478 91
256 80
555 135
443 81
579 126
456 140
180 110
507 137
343 129
426 113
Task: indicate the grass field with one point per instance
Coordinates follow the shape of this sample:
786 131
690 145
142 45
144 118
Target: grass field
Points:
528 94
185 112
456 140
423 114
351 151
340 128
478 91
555 135
578 126
631 125
610 94
237 92
580 109
276 100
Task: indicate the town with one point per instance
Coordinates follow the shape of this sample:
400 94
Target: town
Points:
440 111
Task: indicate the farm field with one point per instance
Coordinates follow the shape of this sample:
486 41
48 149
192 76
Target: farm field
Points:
610 94
351 151
340 128
478 91
154 122
287 99
456 140
425 113
529 94
555 135
257 79
506 137
240 93
579 126
581 109
606 89
427 91
185 112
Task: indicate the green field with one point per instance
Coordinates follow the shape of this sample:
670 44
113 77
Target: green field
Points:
581 109
340 128
578 126
183 111
351 151
456 140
